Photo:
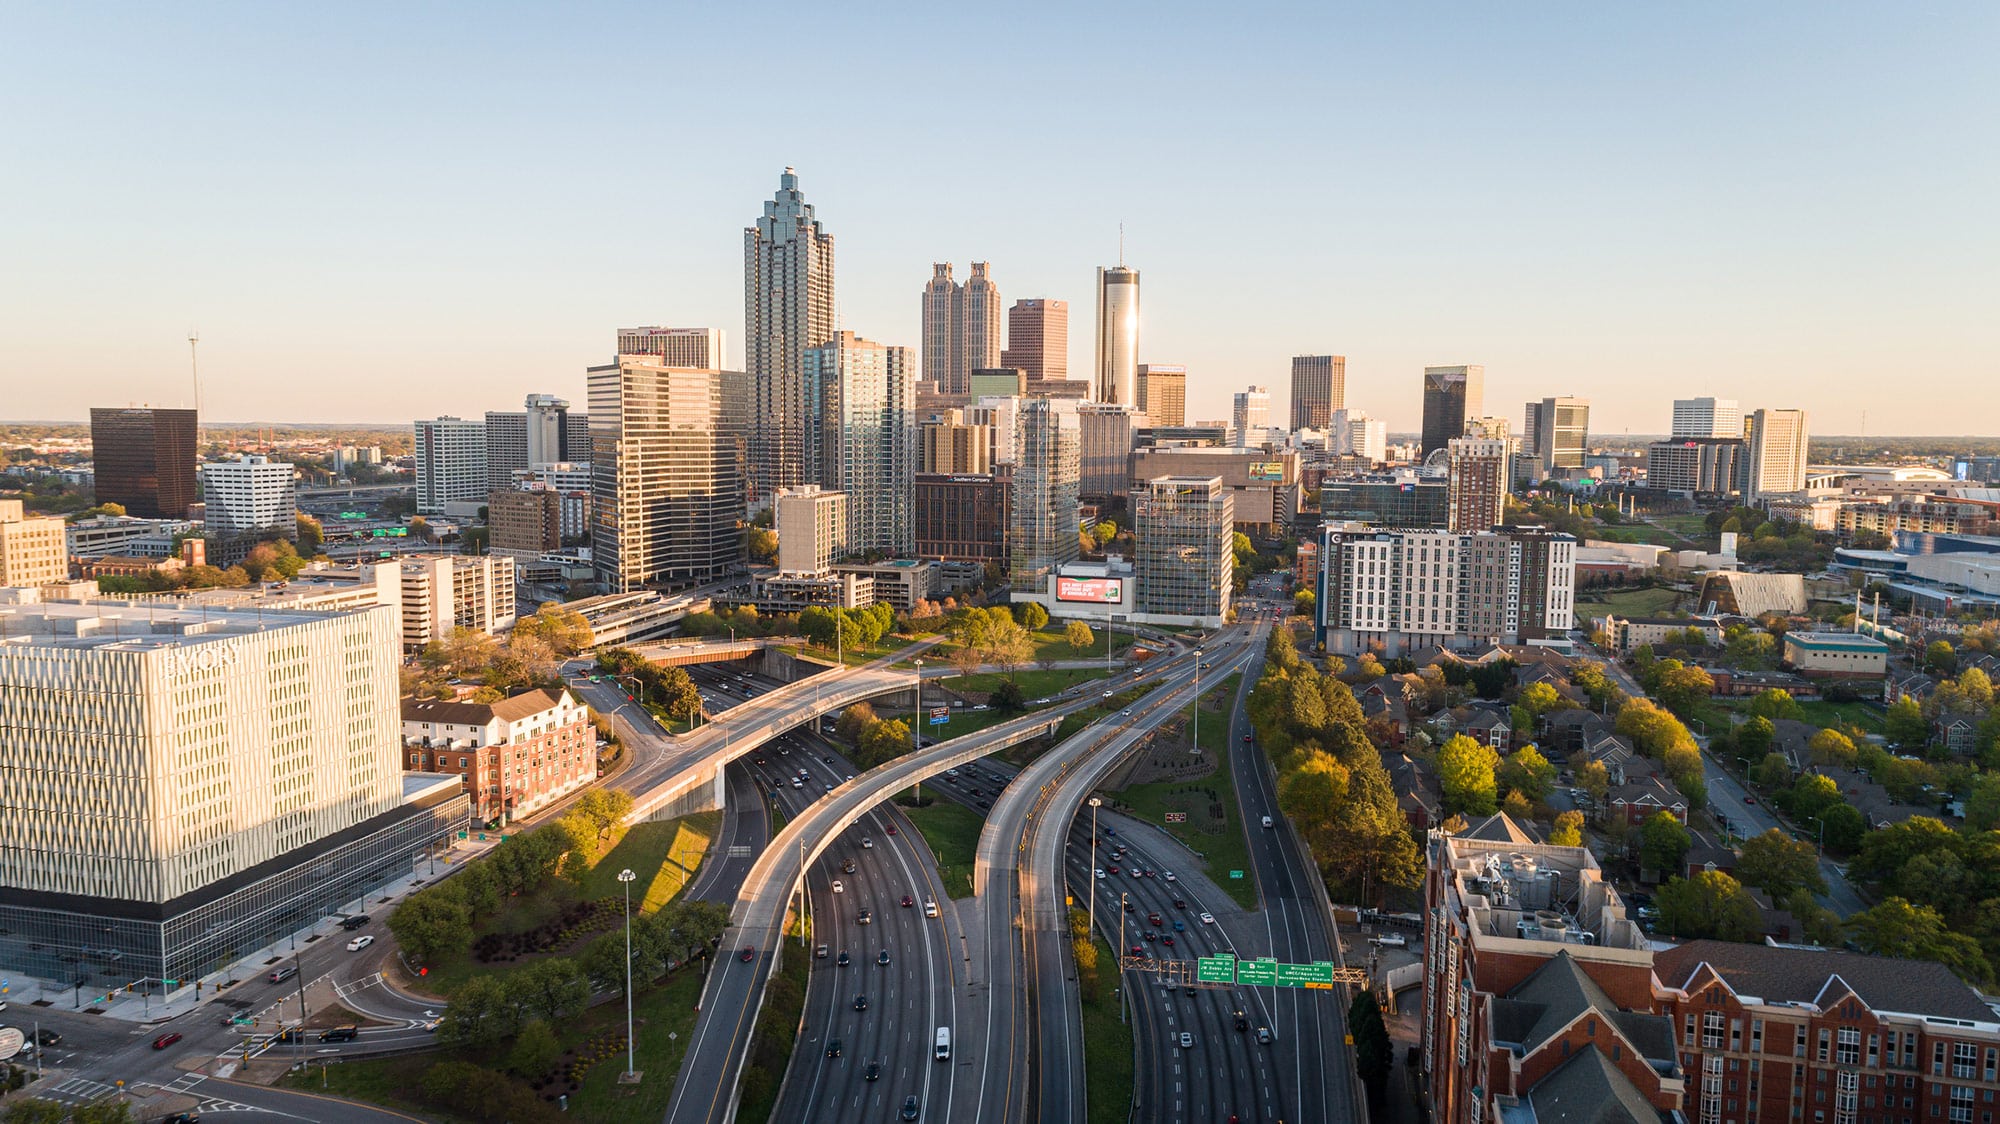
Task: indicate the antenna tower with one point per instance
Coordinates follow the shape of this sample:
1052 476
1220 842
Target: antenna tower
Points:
194 369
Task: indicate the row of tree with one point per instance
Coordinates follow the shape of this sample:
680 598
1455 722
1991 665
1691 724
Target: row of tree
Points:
874 739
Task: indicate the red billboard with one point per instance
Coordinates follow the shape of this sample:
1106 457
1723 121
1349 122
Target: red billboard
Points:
1104 591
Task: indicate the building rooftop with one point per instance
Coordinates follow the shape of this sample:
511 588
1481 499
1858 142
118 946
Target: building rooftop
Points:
1853 640
1586 1089
1812 976
1516 890
136 626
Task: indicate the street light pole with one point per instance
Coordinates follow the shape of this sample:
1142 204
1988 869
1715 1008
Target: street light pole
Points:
917 728
1095 802
1118 953
1197 702
625 878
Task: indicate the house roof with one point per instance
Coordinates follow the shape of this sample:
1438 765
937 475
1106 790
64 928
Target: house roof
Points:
1800 975
1588 1089
527 704
1500 828
1485 717
1555 994
1647 790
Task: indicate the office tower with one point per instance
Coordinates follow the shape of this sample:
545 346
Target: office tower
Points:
1557 434
451 463
1697 466
185 785
1390 499
951 445
1184 528
1478 475
250 497
675 347
961 327
1404 591
524 522
787 308
1707 417
548 431
1250 415
34 549
1777 440
1163 393
1452 396
812 529
1001 413
1042 536
869 445
1319 387
1264 483
1352 433
666 499
1105 431
962 518
144 460
1038 339
1117 365
576 440
506 436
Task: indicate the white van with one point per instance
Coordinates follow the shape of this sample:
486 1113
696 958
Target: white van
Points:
943 1051
1390 940
1267 821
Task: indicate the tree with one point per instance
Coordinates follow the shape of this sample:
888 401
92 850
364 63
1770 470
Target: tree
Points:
1280 651
1711 904
563 628
1568 829
1033 617
1982 805
1527 772
1593 778
1680 687
1310 792
37 1111
1779 865
1302 602
432 922
1465 770
1940 658
535 1051
311 535
1373 1052
1371 849
1008 696
552 988
1011 647
1831 747
1079 637
1842 828
1663 842
853 721
883 741
1754 738
1905 726
1774 704
1896 927
762 544
1104 533
1773 772
1541 698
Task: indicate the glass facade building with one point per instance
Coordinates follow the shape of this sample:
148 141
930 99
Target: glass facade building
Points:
1184 527
144 460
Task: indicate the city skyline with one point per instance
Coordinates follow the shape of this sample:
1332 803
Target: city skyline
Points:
1627 215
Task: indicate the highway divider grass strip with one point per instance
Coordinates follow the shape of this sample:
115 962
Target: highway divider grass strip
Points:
1108 1059
777 1032
952 830
1220 839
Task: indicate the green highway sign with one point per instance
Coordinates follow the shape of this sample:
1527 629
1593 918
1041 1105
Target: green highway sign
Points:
1305 975
1215 969
1235 874
1261 972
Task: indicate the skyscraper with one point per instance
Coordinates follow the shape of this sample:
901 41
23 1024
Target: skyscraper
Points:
675 347
1038 338
1117 335
247 498
812 529
870 443
666 500
1105 431
1250 415
506 446
451 463
1319 387
1707 417
1184 528
1777 452
1478 483
144 460
961 327
1042 535
1557 434
1452 396
787 308
1163 393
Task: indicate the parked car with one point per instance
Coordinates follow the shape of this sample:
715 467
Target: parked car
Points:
355 922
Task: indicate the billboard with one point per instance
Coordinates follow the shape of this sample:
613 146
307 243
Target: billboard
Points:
1267 470
1104 591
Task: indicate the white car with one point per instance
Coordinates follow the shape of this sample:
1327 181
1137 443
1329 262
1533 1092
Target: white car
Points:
1187 1040
1208 918
838 888
359 943
930 908
867 842
1101 876
1169 876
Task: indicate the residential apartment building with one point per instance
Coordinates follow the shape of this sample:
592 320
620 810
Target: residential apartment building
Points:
1707 417
870 443
1107 431
1042 534
1697 466
961 518
1452 397
1477 480
1163 393
1184 528
506 446
1250 416
812 529
525 522
1557 434
246 499
700 348
451 464
961 328
1777 440
1408 590
666 498
571 482
144 460
1943 515
787 309
1038 339
949 445
1319 387
33 548
513 757
1117 367
441 592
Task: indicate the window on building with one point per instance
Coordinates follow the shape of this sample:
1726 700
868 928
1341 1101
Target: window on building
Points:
1848 1050
1711 1030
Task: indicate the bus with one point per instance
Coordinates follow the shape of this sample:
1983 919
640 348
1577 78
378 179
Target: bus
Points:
943 1052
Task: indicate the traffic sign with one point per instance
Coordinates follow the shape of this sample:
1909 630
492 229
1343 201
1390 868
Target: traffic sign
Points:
940 715
1215 969
1319 976
1235 874
1176 817
1261 972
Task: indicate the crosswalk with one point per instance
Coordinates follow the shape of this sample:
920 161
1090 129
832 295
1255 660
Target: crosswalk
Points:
79 1090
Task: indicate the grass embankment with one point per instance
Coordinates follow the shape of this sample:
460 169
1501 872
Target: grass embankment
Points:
1693 528
952 830
1213 828
1626 602
777 1031
1821 713
1107 1047
1036 684
1049 643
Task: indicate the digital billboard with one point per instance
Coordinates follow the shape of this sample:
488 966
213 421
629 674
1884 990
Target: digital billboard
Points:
1104 591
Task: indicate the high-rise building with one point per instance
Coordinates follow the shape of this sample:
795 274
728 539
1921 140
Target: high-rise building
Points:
1777 441
1557 434
1048 450
1117 367
950 445
675 347
1452 397
1479 473
451 463
248 498
1163 393
812 529
962 518
1250 415
144 460
440 593
1001 413
1352 433
1707 417
506 435
1319 387
870 443
33 548
666 500
1697 466
548 431
1408 590
576 427
1038 339
1106 431
524 522
1184 529
787 308
961 327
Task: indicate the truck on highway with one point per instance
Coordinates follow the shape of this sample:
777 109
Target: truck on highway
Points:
943 1051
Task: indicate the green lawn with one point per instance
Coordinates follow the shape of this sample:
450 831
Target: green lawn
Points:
1034 683
1049 643
1632 533
970 721
1823 714
1651 602
1693 528
1107 1046
1219 838
952 830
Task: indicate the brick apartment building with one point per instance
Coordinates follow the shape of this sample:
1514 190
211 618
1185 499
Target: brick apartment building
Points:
516 755
1543 1003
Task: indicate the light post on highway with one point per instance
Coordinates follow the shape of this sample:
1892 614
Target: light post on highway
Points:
1095 803
1197 702
1118 954
625 878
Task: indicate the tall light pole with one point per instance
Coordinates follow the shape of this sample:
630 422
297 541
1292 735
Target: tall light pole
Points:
1197 702
625 878
1095 802
917 727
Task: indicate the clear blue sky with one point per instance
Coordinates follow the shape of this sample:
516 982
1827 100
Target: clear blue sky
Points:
376 213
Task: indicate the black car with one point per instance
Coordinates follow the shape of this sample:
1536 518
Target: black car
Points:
843 961
182 1118
909 1107
290 1035
340 1034
1241 1022
47 1038
833 1048
861 1003
355 922
873 1072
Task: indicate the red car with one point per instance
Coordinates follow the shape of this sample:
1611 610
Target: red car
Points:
1246 738
892 829
1749 800
908 901
1112 870
1138 950
1167 939
747 955
166 1040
